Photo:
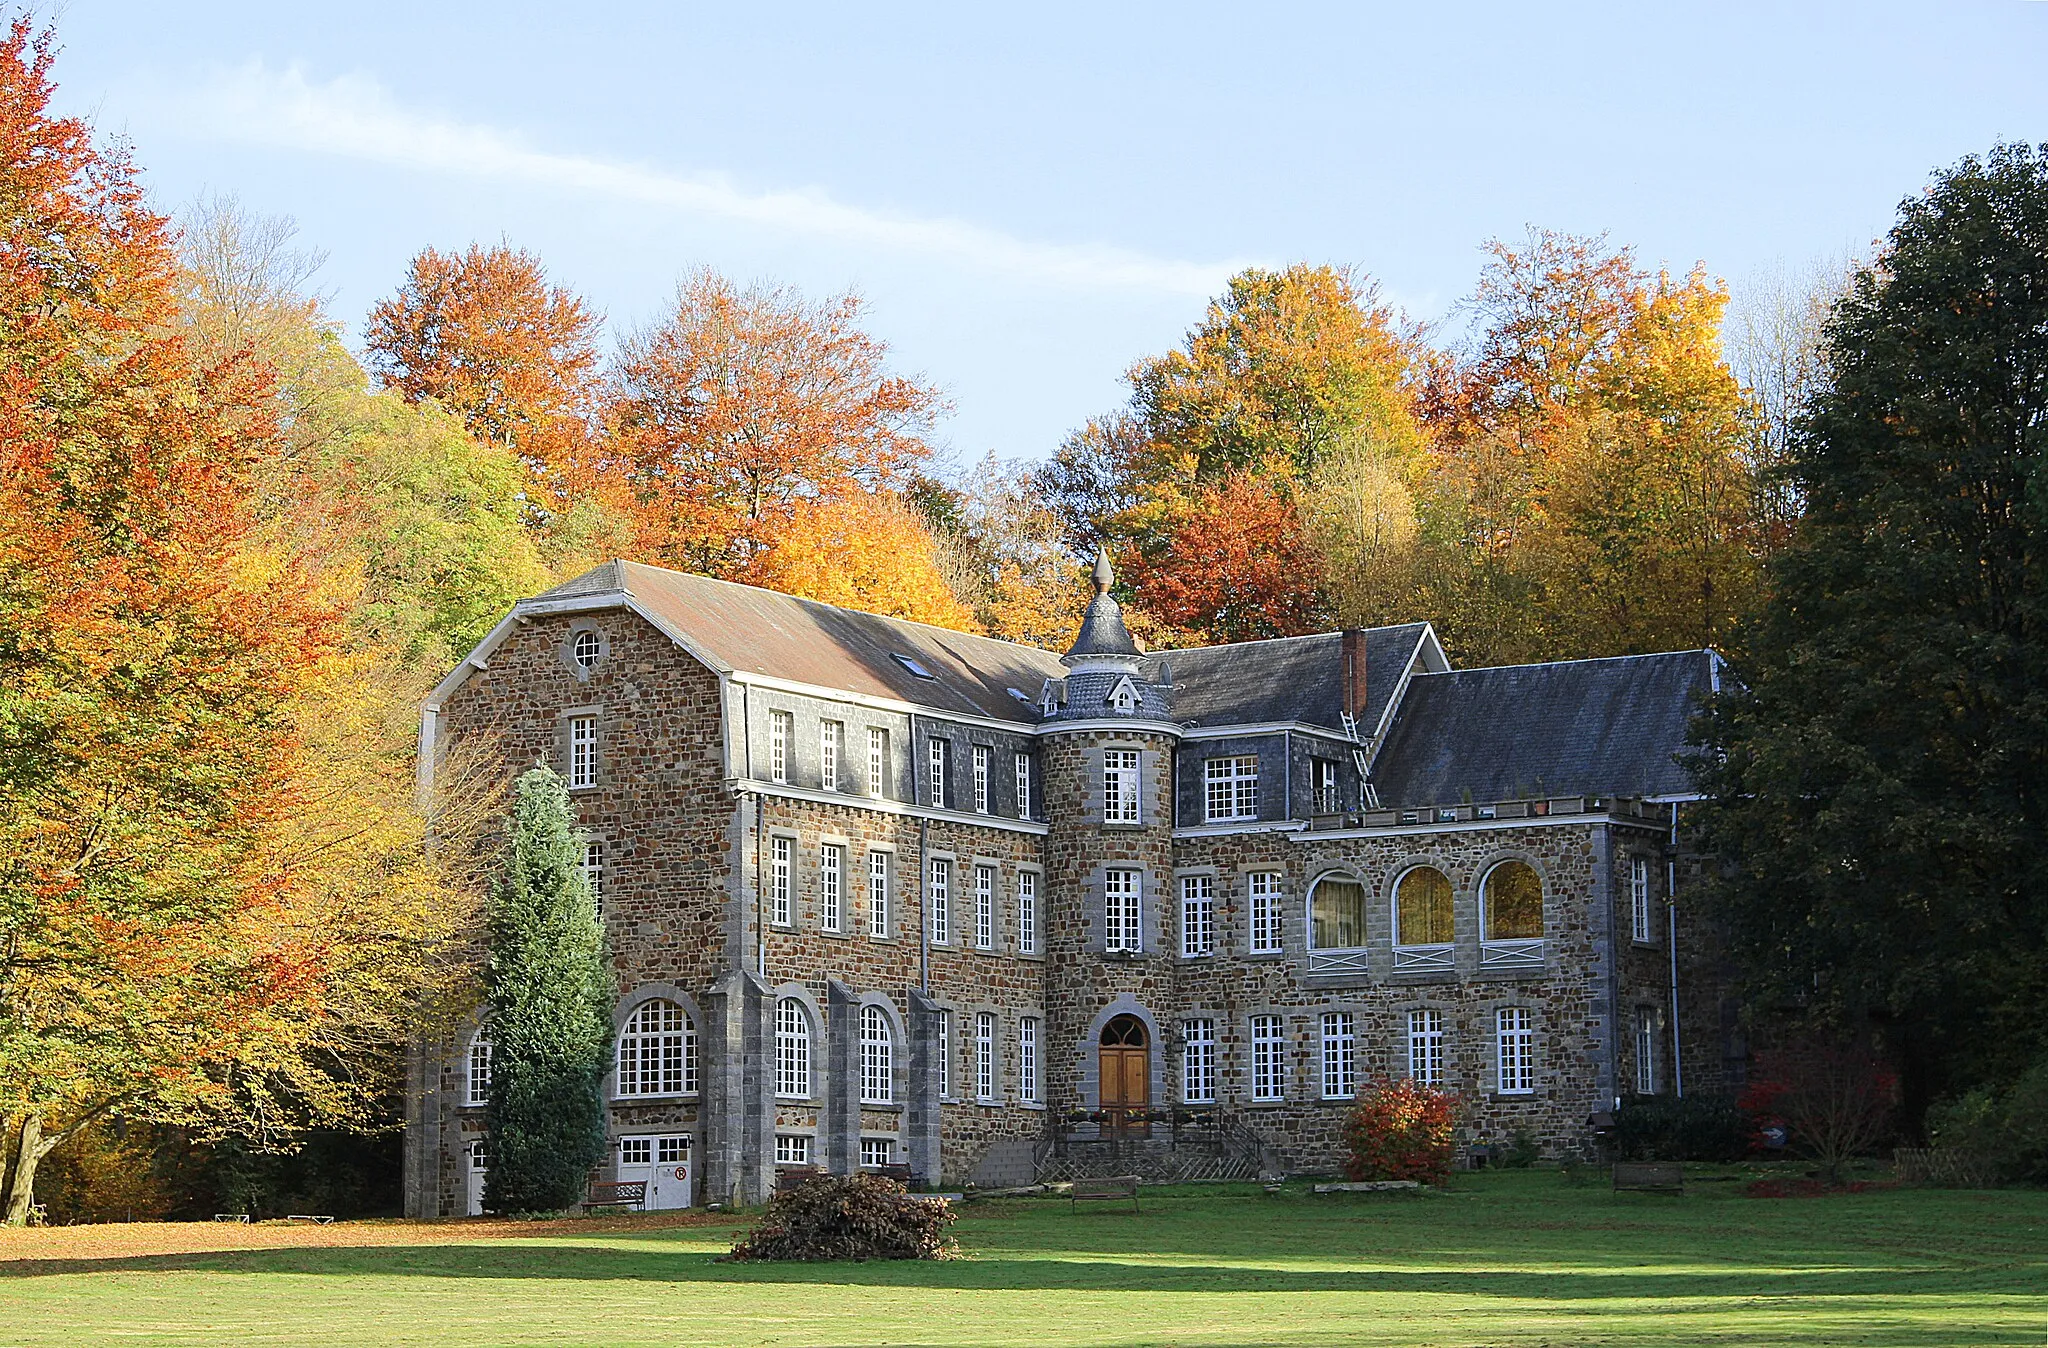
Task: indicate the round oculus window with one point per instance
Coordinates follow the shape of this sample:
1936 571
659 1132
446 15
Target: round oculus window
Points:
589 646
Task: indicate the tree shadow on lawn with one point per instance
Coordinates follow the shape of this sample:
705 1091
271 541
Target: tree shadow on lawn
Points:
551 1261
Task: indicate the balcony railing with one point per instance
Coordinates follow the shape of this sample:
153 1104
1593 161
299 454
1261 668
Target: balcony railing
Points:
1425 959
1523 953
1336 962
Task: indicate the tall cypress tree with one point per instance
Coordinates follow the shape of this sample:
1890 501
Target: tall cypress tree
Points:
550 997
1880 785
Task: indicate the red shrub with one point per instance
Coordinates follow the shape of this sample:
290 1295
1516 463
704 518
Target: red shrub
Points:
1402 1131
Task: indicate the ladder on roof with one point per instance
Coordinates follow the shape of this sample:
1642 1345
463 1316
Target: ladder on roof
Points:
1367 791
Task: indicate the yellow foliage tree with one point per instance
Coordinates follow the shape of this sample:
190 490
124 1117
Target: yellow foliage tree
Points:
864 550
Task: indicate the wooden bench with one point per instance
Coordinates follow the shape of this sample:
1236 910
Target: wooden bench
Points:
620 1194
1123 1186
795 1177
899 1173
1661 1177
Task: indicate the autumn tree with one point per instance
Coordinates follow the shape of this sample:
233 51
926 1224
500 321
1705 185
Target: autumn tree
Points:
1296 381
999 546
484 333
743 408
865 550
189 930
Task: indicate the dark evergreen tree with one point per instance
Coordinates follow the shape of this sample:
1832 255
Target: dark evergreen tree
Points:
550 995
1878 783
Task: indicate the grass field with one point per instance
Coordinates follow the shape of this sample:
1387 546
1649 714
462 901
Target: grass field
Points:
1507 1258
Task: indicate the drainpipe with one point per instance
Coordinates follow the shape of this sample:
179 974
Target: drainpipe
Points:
760 916
1671 910
1287 774
924 921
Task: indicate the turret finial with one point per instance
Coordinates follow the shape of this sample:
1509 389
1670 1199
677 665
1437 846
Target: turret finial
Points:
1104 577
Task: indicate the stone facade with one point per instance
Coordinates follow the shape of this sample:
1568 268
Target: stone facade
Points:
888 925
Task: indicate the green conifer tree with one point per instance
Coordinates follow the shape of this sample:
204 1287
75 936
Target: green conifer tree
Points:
550 996
1878 772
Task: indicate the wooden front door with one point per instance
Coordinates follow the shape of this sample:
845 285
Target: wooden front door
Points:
1126 1078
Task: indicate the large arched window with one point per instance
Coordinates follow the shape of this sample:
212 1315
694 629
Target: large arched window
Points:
657 1051
792 1049
877 1058
479 1068
1422 908
1511 903
1336 908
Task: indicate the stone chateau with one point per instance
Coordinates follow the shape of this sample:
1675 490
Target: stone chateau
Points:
882 894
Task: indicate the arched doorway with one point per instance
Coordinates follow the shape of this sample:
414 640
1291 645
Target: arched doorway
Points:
1126 1077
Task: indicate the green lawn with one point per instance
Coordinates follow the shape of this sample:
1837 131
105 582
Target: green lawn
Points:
1507 1258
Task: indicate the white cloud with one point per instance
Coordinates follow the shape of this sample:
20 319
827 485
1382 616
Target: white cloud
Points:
355 118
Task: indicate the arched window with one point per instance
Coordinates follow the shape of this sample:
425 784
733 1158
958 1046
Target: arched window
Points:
1511 902
792 1049
657 1051
479 1069
1422 908
1336 908
877 1058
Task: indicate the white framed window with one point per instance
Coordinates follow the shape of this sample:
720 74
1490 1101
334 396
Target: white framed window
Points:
781 887
1264 887
937 753
479 1069
1231 788
582 751
945 1054
479 1155
657 1052
1646 1050
1269 1059
985 1055
939 900
831 742
878 761
1336 913
1426 1046
1122 904
1120 786
636 1151
1515 1050
593 872
981 778
878 895
781 730
877 1058
1027 1060
832 887
589 646
1123 697
792 1050
1198 1062
1340 1056
1197 916
984 907
876 1152
792 1149
1324 783
1027 912
1023 764
1639 899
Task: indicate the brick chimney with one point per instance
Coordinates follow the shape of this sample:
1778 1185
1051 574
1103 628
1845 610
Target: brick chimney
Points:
1354 671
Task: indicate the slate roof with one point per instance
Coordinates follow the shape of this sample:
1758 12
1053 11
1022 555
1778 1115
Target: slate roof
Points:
1575 728
1287 679
741 628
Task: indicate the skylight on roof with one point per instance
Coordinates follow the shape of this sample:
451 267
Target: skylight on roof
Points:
913 666
1021 695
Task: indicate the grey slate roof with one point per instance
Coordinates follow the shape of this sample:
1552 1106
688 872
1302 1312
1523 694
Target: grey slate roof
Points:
741 628
1286 679
1580 727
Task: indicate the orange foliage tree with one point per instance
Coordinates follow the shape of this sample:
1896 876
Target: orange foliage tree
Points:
865 550
1235 563
168 946
743 409
485 334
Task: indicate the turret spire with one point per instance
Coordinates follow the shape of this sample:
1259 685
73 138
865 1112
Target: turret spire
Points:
1104 576
1103 635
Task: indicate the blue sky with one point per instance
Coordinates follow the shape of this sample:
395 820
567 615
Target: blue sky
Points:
1032 197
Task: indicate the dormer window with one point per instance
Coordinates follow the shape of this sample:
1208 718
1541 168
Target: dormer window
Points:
1124 697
